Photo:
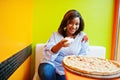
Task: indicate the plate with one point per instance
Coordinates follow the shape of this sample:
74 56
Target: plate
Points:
94 76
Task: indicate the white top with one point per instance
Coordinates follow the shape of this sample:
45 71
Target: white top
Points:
77 48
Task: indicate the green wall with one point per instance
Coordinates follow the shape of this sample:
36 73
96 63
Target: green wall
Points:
97 14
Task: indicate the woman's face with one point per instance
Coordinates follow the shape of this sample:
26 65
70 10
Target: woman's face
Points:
72 26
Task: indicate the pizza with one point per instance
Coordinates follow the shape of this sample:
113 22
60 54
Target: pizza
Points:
91 65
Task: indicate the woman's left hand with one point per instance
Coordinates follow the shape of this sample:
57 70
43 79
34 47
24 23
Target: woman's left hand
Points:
84 39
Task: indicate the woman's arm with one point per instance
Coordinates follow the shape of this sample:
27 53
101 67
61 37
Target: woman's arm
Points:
59 45
84 46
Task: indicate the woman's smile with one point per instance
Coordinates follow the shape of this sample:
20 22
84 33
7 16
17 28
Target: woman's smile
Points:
72 26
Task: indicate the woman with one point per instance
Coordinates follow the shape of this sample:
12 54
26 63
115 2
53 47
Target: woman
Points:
59 46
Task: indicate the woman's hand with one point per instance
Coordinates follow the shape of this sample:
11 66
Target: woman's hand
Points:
66 41
84 39
63 43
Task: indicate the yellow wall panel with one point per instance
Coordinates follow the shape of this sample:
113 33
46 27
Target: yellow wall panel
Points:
23 72
15 33
15 26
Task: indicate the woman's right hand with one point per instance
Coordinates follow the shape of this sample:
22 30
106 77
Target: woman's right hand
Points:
64 43
59 45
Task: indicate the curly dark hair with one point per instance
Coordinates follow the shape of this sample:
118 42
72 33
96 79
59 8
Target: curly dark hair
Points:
69 16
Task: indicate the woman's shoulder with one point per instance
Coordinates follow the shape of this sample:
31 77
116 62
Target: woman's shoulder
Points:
82 33
56 34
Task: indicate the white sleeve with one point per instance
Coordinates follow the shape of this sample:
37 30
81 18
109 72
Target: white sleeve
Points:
47 48
85 48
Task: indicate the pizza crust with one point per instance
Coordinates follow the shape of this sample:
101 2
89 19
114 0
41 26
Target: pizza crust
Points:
91 65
